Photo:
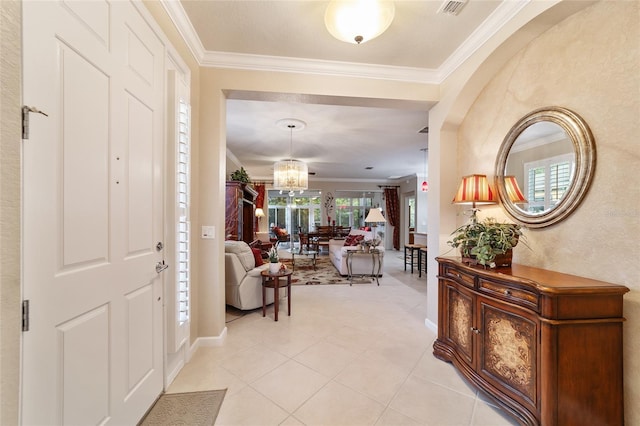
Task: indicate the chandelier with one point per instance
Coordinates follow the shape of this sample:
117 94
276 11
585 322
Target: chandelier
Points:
358 21
291 175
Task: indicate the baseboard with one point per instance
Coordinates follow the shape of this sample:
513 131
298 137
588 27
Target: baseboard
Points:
208 342
431 325
174 373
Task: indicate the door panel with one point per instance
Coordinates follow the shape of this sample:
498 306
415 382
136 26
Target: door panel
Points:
460 321
84 121
92 213
140 335
508 350
139 178
85 385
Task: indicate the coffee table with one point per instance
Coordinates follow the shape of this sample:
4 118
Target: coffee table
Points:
302 252
270 280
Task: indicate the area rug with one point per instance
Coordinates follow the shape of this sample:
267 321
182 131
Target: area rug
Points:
190 408
325 273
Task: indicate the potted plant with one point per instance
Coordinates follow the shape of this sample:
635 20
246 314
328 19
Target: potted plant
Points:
488 242
274 261
240 176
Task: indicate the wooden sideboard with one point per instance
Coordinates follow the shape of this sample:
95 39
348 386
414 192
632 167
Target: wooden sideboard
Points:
546 346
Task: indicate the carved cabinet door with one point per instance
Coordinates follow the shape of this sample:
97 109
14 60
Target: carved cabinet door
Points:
508 350
459 324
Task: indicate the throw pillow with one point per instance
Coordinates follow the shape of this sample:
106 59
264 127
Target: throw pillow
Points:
353 240
257 254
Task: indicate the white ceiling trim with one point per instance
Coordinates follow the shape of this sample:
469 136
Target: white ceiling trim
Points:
182 22
498 19
317 66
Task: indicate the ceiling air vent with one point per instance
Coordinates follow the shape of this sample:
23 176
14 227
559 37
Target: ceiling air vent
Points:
452 7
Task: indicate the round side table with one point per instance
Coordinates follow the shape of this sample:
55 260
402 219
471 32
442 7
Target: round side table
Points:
273 281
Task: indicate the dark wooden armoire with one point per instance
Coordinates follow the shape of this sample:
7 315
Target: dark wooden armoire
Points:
239 212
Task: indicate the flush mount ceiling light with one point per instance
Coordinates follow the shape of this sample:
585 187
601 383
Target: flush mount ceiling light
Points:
358 21
291 175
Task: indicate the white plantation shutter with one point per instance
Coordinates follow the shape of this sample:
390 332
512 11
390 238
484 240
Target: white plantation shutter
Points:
178 232
183 198
559 180
547 181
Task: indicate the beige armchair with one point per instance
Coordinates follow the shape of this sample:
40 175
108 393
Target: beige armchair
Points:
243 283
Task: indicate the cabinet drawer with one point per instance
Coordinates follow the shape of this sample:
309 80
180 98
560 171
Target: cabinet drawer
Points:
459 276
516 295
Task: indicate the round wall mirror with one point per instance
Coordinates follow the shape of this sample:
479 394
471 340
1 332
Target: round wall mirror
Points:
545 166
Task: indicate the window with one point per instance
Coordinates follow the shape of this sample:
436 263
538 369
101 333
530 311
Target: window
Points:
277 211
292 213
351 211
547 181
412 213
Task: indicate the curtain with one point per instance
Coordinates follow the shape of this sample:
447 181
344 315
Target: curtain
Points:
393 214
259 187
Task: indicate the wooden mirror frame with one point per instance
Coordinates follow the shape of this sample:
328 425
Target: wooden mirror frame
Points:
585 150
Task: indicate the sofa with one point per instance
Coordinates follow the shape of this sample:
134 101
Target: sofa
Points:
243 283
361 264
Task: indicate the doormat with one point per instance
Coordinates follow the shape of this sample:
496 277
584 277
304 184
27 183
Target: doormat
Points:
189 408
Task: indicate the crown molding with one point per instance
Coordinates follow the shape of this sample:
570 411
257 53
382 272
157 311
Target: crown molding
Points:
232 157
312 179
499 18
317 66
182 23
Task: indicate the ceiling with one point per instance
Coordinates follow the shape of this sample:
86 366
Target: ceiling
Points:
344 139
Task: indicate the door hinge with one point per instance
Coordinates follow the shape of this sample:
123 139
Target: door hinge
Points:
25 315
25 119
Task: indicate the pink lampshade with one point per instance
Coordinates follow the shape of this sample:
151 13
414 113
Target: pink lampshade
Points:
475 189
513 191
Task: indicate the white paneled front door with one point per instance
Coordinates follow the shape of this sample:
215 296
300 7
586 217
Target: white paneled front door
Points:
92 213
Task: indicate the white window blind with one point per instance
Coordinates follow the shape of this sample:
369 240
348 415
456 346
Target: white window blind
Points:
547 181
183 164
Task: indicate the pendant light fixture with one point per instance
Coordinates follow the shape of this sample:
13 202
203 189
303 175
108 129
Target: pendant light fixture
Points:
425 184
291 175
358 21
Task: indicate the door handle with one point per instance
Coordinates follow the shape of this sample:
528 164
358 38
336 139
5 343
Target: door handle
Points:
161 266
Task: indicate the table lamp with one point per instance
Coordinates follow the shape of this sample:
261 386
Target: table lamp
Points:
374 217
474 189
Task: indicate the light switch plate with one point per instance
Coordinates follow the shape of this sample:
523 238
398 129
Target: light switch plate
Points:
208 232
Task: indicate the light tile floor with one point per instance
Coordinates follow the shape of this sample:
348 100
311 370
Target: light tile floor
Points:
358 355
